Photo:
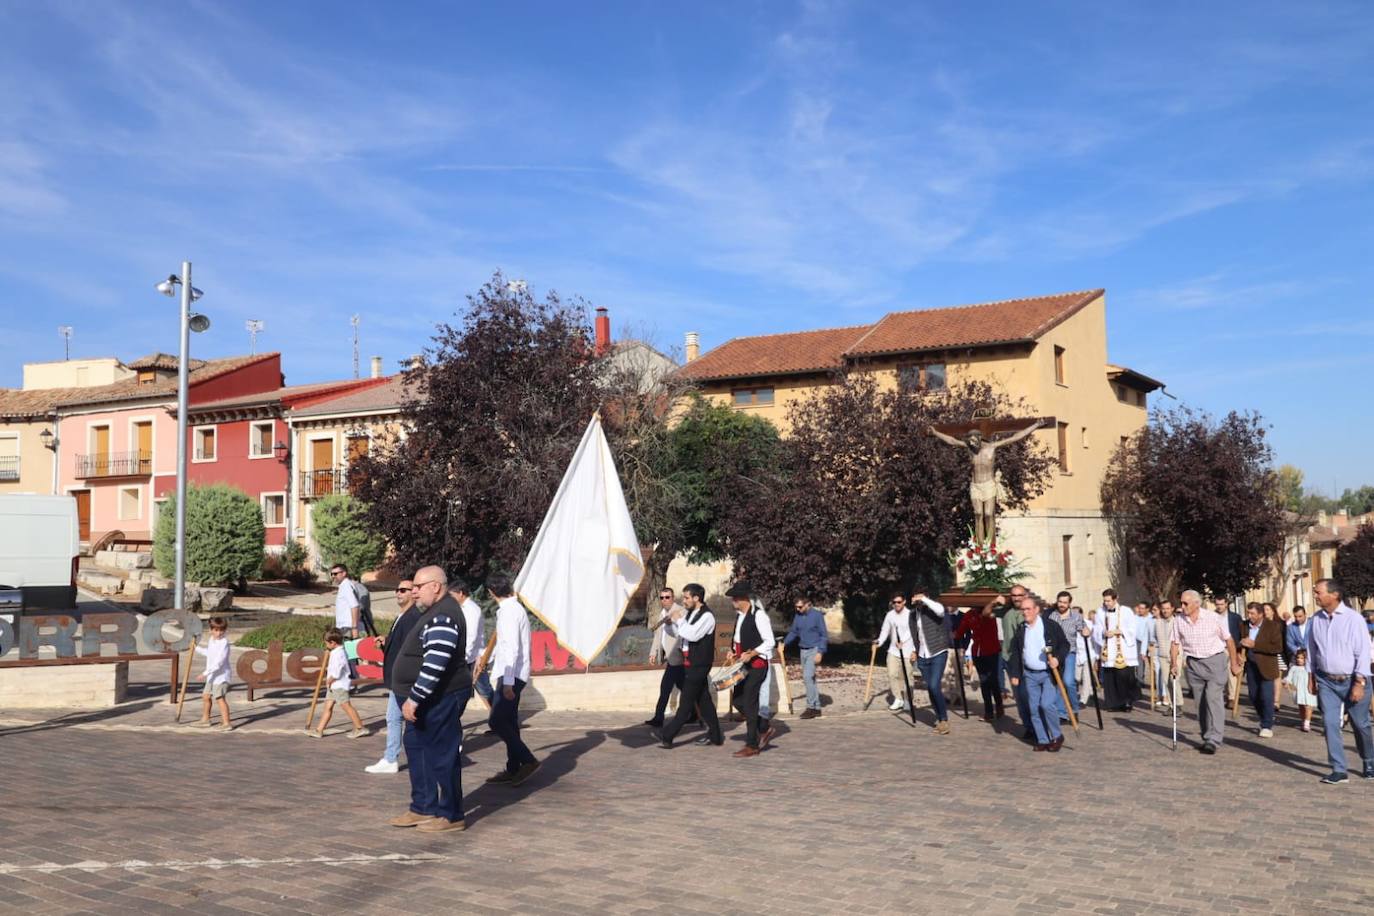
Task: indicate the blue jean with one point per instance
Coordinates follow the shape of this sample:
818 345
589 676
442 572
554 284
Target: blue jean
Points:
505 721
1070 675
434 744
765 708
1330 696
813 693
1041 700
1261 691
933 673
395 728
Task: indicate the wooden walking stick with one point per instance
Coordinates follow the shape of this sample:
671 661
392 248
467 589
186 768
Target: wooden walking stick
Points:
784 689
868 688
1059 682
315 694
1150 664
186 676
1235 694
484 660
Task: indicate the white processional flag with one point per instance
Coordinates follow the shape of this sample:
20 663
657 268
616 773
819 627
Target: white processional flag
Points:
584 564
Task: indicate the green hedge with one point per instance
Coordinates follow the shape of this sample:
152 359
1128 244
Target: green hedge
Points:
224 536
296 633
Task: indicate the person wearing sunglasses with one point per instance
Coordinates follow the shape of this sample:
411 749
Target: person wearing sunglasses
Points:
667 648
896 632
390 644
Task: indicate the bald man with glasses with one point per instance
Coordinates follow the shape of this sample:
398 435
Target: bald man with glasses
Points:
432 674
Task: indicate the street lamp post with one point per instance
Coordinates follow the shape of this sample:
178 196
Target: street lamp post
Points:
189 294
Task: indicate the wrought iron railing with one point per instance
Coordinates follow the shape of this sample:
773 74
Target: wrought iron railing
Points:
322 482
9 467
114 464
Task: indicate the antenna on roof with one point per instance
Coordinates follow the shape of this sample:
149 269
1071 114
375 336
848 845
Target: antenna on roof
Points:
253 326
354 321
66 331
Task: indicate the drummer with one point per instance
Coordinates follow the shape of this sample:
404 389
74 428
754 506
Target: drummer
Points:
753 645
696 627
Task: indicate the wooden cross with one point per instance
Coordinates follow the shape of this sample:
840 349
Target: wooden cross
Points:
987 425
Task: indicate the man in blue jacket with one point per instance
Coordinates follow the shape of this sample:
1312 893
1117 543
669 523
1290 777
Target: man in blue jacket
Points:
1298 634
1038 645
808 631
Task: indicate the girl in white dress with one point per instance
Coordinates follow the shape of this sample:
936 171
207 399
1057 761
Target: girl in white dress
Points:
1297 679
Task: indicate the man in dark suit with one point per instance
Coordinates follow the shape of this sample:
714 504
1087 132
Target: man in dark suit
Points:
1038 648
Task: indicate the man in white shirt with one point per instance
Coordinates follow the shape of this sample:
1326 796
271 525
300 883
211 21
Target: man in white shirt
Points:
753 645
346 605
696 629
472 620
667 649
510 663
896 632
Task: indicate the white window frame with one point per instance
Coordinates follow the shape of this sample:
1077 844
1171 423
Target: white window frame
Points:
253 424
195 443
119 503
90 436
262 506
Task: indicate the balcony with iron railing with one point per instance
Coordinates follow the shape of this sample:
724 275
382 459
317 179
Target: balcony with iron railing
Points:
323 482
9 467
114 464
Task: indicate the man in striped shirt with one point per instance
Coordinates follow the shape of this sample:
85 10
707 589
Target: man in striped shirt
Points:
432 673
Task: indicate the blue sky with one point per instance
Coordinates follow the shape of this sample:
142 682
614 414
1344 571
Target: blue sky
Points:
732 168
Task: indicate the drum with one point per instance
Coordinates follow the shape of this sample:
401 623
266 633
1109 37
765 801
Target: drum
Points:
728 677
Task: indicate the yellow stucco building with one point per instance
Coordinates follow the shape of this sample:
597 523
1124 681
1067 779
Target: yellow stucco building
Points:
1050 351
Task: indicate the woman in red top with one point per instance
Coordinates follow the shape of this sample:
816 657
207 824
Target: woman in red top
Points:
987 647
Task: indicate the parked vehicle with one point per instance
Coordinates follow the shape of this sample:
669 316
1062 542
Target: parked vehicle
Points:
40 547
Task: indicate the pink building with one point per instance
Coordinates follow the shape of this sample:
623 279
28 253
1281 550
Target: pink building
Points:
117 444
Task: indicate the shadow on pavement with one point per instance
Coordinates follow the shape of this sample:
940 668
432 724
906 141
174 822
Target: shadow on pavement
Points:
78 718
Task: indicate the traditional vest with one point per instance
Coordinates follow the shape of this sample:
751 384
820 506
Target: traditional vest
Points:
750 638
702 652
934 628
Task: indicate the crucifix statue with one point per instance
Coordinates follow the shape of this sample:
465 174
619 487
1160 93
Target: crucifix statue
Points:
978 438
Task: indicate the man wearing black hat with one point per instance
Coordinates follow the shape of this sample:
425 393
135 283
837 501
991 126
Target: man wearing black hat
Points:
753 645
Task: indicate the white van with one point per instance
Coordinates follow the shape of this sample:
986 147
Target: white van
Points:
40 546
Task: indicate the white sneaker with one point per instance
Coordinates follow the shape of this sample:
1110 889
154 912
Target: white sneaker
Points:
895 705
1266 733
384 766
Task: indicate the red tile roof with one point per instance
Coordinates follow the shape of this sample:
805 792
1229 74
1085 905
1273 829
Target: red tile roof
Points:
987 324
376 399
133 390
282 395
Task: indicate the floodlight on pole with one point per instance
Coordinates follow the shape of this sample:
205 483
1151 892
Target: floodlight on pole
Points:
189 322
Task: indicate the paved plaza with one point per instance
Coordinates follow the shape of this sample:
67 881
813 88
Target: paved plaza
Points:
856 812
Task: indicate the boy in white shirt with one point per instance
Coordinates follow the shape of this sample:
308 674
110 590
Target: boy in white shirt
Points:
216 676
337 676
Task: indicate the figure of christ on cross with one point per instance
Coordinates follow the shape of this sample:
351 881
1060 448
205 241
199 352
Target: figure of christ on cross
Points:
978 439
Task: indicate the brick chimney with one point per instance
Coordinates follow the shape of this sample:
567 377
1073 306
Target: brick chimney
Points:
603 331
376 367
693 348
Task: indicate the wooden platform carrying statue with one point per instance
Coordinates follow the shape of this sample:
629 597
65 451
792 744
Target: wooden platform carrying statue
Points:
978 437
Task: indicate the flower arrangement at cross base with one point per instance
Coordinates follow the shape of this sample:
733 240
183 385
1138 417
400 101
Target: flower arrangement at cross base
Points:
984 565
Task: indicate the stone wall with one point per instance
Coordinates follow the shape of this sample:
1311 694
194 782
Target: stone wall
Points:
64 686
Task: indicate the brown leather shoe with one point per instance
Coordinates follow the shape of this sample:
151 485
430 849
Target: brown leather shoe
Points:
441 824
525 772
810 714
746 752
411 819
766 737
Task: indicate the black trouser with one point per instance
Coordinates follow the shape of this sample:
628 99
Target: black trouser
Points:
987 682
695 695
673 676
748 703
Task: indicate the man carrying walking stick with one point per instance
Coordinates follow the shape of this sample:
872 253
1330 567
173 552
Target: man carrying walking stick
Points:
1204 640
1038 650
896 632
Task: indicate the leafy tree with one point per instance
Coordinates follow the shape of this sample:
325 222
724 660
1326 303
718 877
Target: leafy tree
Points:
1354 566
1358 502
863 499
1290 487
224 536
500 402
345 535
1196 501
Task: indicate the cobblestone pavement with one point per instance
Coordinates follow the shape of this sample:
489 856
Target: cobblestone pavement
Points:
850 813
